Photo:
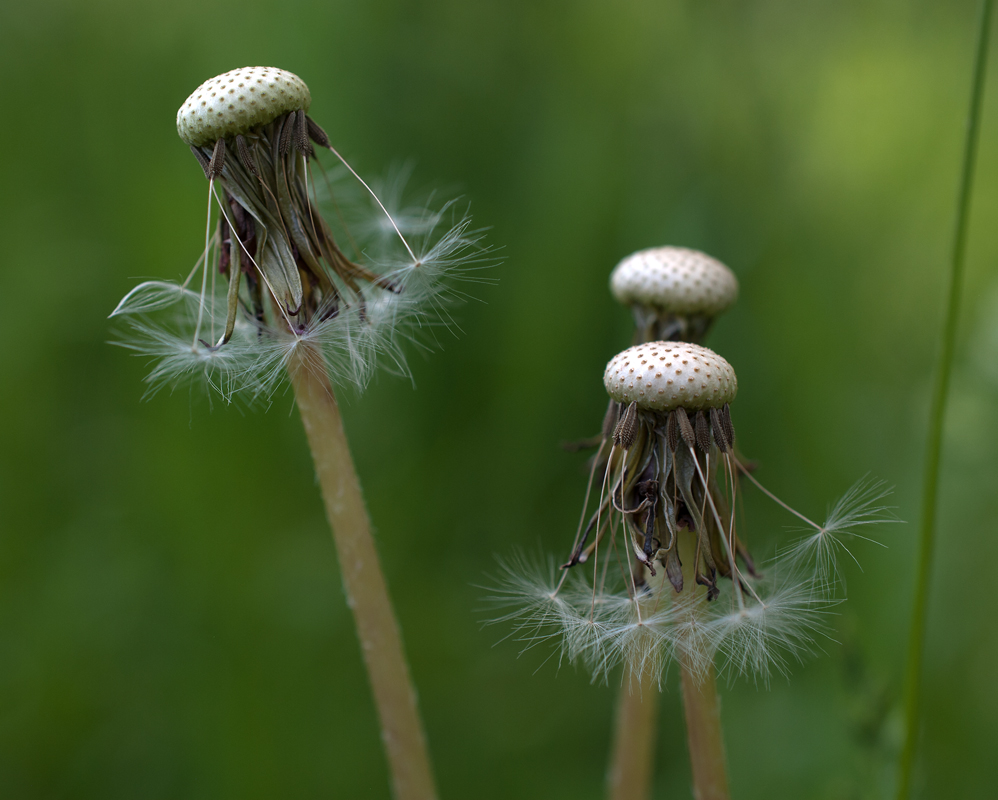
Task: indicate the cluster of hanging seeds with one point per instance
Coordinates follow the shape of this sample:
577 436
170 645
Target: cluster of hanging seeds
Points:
250 132
666 454
273 275
674 436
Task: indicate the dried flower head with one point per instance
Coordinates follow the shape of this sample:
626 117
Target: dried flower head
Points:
287 279
674 432
663 535
674 292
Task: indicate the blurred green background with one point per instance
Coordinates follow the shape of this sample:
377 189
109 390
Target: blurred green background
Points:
171 619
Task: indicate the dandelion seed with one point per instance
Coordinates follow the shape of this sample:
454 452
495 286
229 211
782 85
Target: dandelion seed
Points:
285 283
862 505
784 622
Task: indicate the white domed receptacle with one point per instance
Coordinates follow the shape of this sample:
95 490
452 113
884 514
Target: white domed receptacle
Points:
674 292
675 279
662 376
238 101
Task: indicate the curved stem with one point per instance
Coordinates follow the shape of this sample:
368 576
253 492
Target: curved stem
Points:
363 581
631 763
930 486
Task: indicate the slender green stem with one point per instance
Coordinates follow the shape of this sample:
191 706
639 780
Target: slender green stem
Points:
631 763
363 580
930 486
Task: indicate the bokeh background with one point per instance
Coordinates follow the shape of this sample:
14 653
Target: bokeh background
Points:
171 618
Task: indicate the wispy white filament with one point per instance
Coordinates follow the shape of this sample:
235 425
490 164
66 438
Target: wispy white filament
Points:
440 250
781 618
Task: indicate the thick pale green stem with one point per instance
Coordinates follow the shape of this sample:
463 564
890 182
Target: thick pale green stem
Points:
703 734
363 581
701 706
930 486
631 763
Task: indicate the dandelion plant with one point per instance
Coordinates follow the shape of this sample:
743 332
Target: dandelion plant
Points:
280 297
674 293
658 537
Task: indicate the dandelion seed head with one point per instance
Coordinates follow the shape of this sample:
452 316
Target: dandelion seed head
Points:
674 292
676 280
239 100
662 376
277 273
658 572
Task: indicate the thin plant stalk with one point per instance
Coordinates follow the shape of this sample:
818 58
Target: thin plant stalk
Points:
930 486
702 707
363 580
631 762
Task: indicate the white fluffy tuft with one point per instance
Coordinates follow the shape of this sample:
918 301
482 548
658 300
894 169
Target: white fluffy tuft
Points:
606 629
756 633
370 330
821 549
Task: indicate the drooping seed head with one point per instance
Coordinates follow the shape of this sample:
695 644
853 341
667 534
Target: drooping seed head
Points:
238 101
675 280
662 376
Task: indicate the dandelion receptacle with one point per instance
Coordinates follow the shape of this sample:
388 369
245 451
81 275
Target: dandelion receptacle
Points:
674 293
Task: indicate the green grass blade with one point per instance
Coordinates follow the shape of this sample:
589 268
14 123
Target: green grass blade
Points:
930 488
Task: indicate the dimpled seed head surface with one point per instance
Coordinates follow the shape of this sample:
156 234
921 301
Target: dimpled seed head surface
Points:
661 376
239 101
676 280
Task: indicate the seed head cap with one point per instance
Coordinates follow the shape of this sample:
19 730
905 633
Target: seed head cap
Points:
675 279
661 376
239 100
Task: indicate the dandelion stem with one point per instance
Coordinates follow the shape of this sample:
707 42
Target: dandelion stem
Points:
930 486
631 764
703 732
701 706
363 581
